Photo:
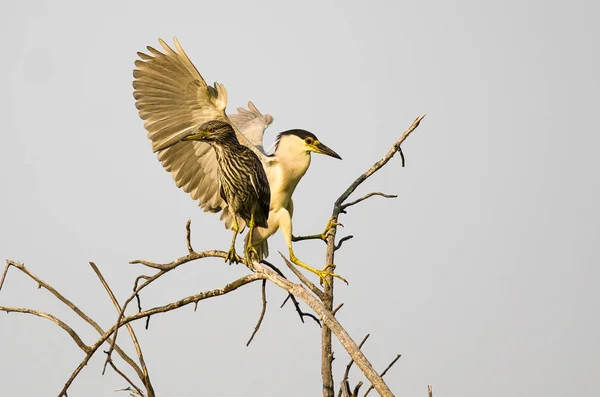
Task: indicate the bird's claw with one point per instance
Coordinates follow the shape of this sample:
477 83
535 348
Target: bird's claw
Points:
325 272
251 251
331 225
232 256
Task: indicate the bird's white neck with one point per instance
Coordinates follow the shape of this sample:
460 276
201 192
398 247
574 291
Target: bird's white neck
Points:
293 160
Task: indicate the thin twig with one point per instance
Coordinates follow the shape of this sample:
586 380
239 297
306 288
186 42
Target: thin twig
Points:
379 164
21 267
383 373
301 313
402 156
136 344
366 196
160 309
262 312
164 268
339 244
334 312
326 342
188 236
356 389
52 318
345 387
124 376
333 324
429 391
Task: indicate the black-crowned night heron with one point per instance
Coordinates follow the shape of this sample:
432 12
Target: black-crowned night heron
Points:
243 183
174 100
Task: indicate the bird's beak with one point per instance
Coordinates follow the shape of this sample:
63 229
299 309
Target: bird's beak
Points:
320 148
195 136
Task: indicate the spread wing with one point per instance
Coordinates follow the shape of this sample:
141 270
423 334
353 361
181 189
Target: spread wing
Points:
174 100
252 123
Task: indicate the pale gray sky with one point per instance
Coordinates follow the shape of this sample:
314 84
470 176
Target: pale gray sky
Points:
484 273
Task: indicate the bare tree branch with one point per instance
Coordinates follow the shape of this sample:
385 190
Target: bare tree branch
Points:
301 313
188 236
339 244
366 196
72 306
52 318
163 269
345 387
262 313
331 322
326 347
124 376
160 309
334 312
384 372
320 301
378 165
136 344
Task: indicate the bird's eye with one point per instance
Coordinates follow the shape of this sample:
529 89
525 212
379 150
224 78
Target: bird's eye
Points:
308 141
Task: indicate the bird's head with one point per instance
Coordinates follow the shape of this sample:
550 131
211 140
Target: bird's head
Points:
303 141
212 131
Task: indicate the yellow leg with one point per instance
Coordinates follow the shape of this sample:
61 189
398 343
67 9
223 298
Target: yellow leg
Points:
249 247
232 256
321 273
322 236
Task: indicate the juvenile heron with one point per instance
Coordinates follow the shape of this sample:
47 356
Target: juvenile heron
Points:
244 187
174 100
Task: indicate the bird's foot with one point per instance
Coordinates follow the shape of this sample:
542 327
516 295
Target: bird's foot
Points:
323 274
326 272
249 252
331 224
232 256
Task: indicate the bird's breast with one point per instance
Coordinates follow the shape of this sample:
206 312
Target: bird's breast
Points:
283 178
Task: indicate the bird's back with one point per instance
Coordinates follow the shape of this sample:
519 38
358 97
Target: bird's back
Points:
244 184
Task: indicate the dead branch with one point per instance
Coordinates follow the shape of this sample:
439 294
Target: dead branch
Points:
366 196
188 236
163 269
326 347
160 309
339 244
52 318
136 344
334 312
384 372
291 297
262 313
72 306
345 387
124 376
